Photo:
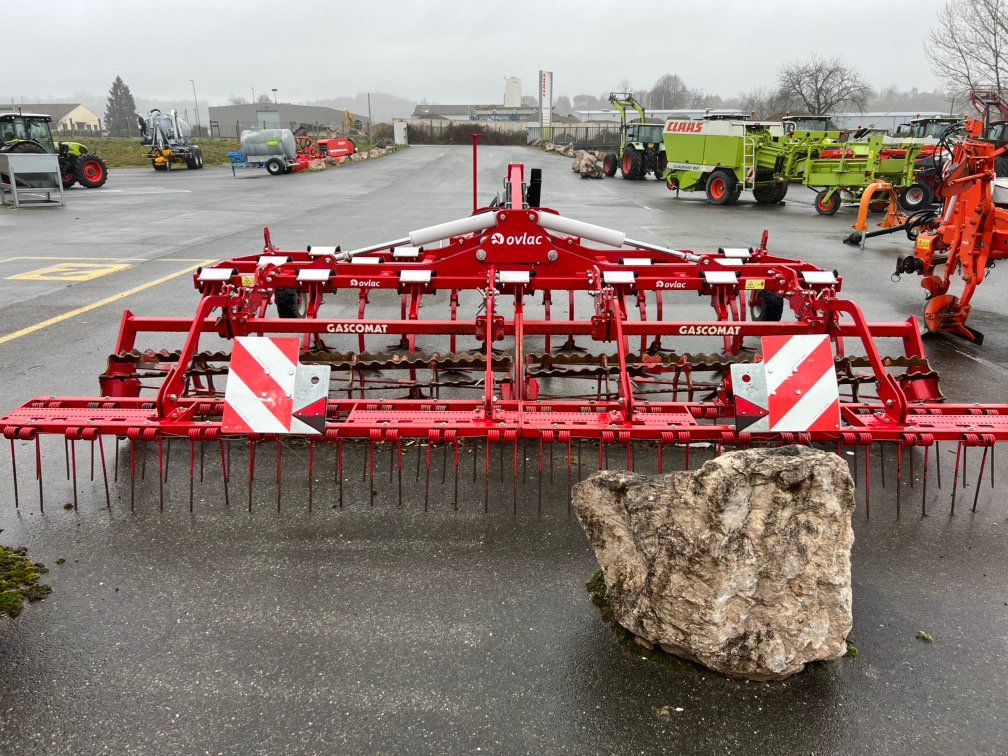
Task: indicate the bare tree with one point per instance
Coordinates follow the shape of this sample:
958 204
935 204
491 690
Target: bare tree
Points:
236 100
562 105
821 85
669 92
968 46
765 103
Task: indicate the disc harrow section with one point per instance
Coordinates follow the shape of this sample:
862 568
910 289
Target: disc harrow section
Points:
512 326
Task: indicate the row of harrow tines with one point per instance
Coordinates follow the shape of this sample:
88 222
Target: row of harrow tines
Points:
512 327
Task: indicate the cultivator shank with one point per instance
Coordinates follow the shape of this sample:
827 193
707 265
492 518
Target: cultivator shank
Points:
513 326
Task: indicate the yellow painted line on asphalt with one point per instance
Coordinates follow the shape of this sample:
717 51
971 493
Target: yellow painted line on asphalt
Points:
101 303
71 271
116 259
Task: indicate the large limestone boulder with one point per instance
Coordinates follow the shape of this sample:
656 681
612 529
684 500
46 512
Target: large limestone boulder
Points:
586 164
742 565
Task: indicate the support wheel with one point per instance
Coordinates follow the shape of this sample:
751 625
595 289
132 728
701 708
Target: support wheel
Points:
766 306
721 186
661 163
274 167
290 303
609 164
827 205
156 167
916 197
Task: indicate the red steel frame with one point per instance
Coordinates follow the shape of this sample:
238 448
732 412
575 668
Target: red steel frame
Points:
516 253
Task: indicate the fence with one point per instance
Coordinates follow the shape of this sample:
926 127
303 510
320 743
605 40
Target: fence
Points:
596 136
448 132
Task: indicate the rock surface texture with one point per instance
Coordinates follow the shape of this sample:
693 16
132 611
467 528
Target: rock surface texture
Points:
742 565
586 164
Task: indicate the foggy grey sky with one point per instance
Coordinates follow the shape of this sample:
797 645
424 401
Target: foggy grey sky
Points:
444 51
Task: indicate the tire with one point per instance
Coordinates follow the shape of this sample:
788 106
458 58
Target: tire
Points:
609 164
721 187
68 179
197 158
632 164
827 207
190 163
156 167
916 197
289 303
780 192
661 163
25 147
274 167
90 171
765 194
766 307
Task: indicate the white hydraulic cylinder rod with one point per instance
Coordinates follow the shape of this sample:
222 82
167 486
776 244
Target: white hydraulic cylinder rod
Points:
430 234
608 236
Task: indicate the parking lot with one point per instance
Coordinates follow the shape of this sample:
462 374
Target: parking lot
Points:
384 628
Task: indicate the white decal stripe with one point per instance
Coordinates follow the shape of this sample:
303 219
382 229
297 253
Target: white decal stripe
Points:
270 358
795 351
249 407
808 409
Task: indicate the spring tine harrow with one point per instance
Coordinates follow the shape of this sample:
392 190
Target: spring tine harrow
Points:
507 365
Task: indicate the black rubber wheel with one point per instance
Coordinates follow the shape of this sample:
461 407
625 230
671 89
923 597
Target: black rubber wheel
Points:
916 197
274 167
289 303
156 167
661 163
780 192
766 306
825 206
632 164
722 187
765 194
68 179
609 164
90 171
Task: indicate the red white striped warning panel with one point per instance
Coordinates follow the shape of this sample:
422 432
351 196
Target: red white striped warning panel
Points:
794 389
269 391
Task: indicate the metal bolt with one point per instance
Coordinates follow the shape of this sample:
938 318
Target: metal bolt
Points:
552 255
481 254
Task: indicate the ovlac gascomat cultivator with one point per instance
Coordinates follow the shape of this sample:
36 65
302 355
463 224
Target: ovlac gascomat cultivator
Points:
511 330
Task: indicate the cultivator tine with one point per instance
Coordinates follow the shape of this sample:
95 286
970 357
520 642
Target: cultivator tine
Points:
143 461
14 472
486 479
167 461
399 465
38 475
225 464
201 460
92 462
924 480
899 476
569 482
867 484
370 467
514 481
115 475
252 445
455 498
66 452
983 463
101 451
938 463
192 471
339 470
540 477
955 480
73 457
132 444
881 455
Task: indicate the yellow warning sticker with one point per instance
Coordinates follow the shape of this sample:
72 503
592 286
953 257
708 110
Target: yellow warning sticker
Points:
248 280
755 283
71 271
923 243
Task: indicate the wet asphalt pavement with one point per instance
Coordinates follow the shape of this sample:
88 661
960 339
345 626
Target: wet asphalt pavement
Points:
387 629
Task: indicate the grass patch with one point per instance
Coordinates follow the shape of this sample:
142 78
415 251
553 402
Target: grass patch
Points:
19 581
129 153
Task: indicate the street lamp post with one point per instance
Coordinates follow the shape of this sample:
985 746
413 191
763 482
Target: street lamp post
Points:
196 104
274 96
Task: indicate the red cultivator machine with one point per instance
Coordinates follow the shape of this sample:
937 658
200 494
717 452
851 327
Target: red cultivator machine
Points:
550 333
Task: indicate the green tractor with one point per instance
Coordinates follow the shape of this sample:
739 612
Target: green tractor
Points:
31 132
641 150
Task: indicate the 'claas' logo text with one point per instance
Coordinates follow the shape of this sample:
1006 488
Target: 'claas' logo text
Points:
684 127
